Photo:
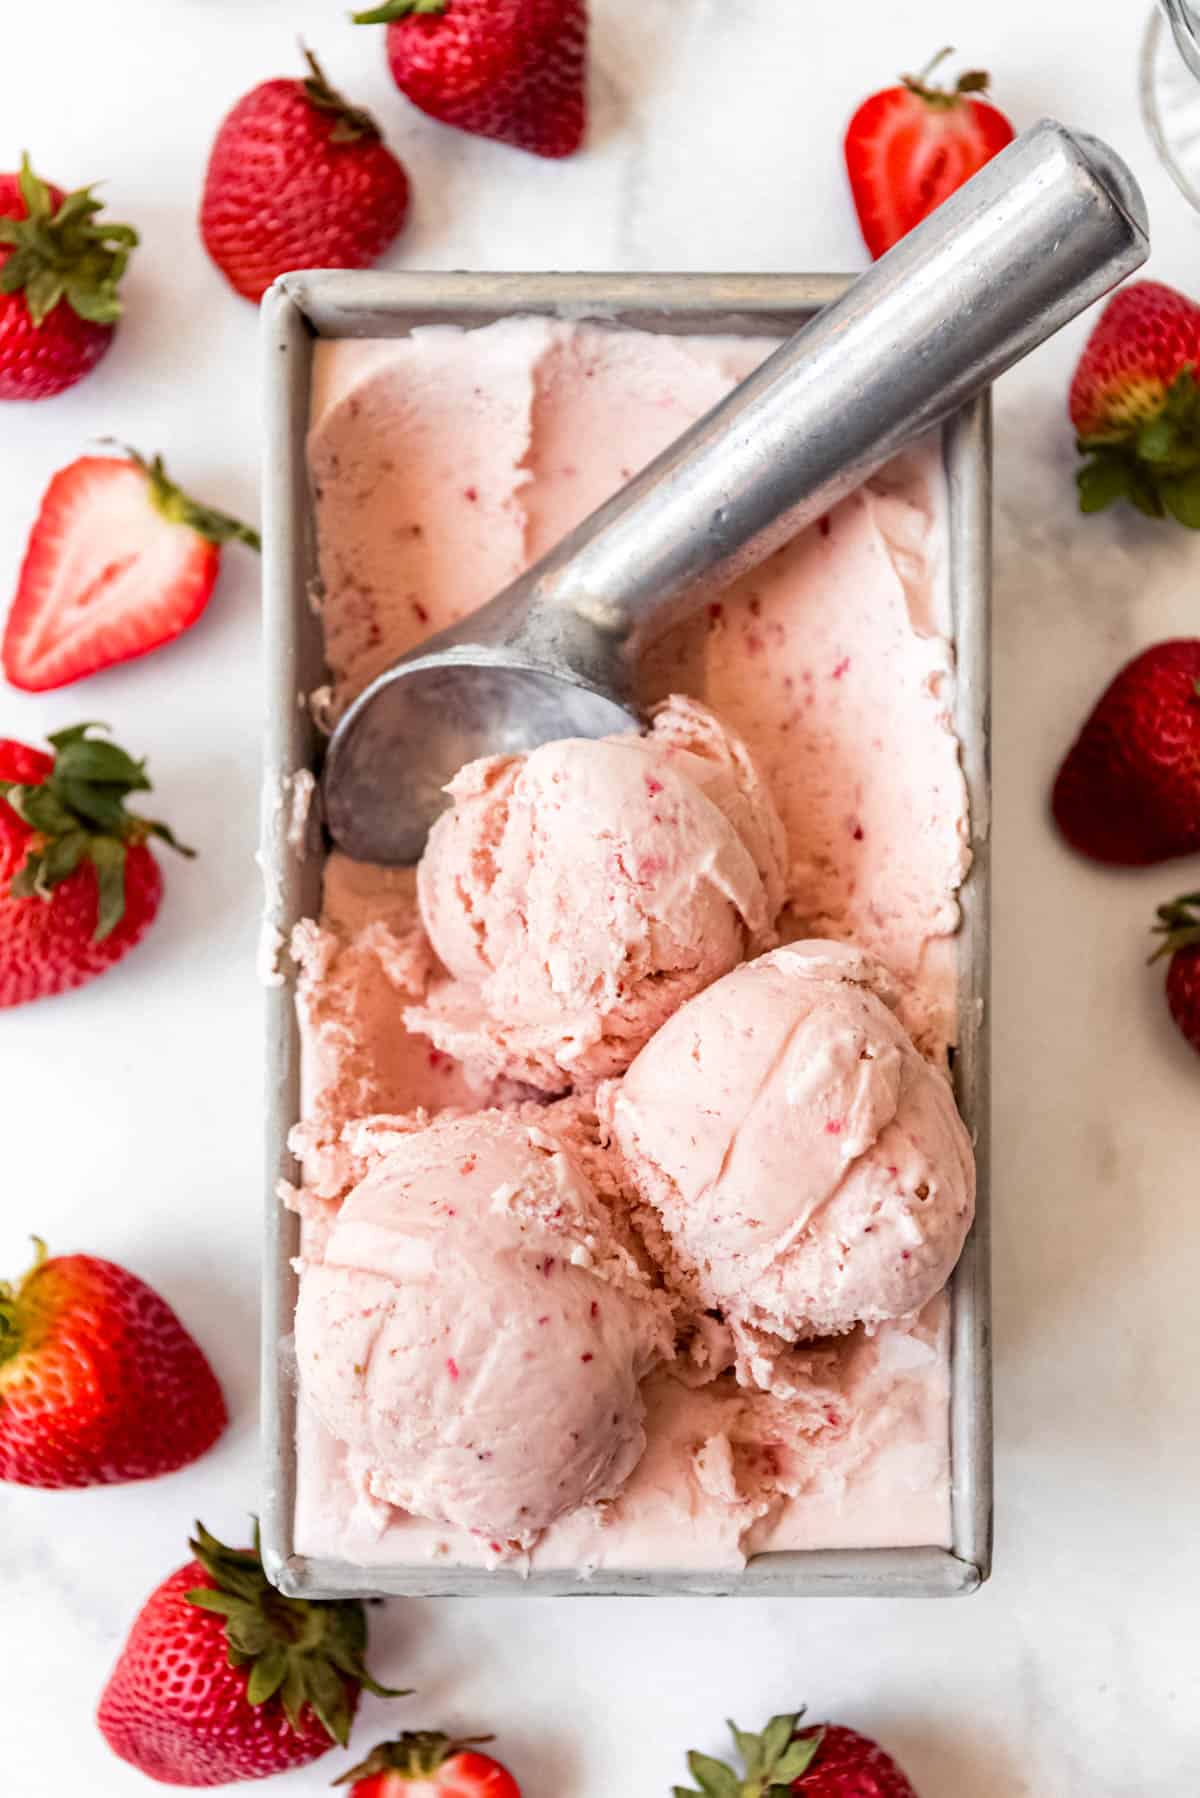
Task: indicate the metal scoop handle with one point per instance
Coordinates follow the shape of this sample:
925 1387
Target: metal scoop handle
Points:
1044 229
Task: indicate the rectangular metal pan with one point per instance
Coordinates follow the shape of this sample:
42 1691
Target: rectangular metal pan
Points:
299 309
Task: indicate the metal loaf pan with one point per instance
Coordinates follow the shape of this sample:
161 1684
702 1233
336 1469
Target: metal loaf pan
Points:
300 308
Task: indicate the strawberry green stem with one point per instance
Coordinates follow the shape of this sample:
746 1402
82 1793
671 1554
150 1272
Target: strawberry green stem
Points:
353 122
64 254
308 1652
417 1754
179 507
771 1762
11 1321
392 10
1178 925
971 81
78 816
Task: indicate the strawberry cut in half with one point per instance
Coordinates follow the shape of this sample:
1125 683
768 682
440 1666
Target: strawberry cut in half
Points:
99 1381
910 147
431 1765
119 562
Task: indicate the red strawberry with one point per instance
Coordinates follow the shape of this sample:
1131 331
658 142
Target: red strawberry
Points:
119 561
59 274
1179 927
298 178
909 148
825 1762
1129 789
1135 405
224 1679
426 1764
509 69
78 884
99 1380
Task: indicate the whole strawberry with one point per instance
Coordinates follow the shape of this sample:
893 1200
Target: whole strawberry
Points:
60 271
910 147
1135 405
430 1764
298 178
824 1762
514 70
79 886
224 1679
119 561
1128 791
99 1380
1179 927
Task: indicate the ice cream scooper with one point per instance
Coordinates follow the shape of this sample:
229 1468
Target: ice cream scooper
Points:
1044 229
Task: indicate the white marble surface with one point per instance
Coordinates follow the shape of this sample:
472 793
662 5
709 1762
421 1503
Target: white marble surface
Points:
131 1110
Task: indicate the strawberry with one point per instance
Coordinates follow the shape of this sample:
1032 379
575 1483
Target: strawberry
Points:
1135 405
78 884
224 1679
119 561
60 269
298 178
825 1762
427 1764
1128 791
99 1380
908 148
1179 927
509 69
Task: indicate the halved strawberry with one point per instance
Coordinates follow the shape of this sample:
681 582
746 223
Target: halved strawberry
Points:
910 147
119 561
428 1763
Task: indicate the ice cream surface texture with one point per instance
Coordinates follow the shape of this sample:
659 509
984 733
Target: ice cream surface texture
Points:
473 1334
580 893
571 922
807 1164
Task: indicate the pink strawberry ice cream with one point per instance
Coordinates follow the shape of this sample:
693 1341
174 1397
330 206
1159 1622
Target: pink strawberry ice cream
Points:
580 893
473 1334
807 1165
584 908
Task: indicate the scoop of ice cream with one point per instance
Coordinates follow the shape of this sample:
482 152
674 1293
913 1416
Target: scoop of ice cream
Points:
807 1165
580 893
474 1336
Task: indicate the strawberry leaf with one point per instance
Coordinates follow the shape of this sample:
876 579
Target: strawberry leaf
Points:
797 1759
306 1653
714 1778
1103 481
65 254
1181 497
79 817
775 1738
108 858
